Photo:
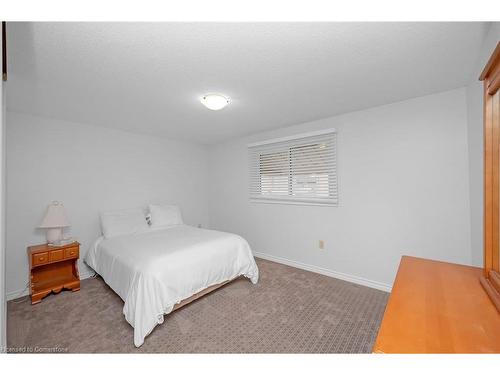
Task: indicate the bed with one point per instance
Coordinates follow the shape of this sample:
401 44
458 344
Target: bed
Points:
157 271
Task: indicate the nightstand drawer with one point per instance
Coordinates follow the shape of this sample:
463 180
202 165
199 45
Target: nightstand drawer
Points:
71 252
40 258
56 255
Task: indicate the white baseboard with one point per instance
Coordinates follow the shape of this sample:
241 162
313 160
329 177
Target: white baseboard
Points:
24 292
86 275
17 294
323 271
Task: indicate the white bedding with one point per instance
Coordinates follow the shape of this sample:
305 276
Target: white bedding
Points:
153 271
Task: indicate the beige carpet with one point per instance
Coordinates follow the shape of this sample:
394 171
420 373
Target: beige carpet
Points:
288 311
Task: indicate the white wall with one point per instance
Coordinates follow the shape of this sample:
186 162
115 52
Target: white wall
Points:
91 169
403 187
475 141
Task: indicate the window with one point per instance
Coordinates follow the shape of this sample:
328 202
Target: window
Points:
298 169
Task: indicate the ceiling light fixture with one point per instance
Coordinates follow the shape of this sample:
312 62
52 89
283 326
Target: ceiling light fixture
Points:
214 102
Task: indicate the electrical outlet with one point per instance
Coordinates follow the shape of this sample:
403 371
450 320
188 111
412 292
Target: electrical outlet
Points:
321 244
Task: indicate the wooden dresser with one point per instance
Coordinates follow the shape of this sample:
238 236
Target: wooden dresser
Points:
53 269
438 307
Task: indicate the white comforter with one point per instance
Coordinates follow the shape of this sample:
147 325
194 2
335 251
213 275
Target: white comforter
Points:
153 271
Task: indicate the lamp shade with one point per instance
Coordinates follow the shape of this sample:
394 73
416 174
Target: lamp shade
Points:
55 216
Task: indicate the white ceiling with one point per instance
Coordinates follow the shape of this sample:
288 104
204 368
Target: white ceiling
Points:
148 77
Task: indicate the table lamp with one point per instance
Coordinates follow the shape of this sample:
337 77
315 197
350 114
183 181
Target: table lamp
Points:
54 221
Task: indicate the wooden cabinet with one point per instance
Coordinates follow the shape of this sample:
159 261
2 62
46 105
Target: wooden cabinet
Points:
438 307
53 269
491 80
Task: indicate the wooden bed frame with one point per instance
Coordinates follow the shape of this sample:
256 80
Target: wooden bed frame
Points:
200 294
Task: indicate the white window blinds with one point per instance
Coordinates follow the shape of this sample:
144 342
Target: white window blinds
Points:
298 169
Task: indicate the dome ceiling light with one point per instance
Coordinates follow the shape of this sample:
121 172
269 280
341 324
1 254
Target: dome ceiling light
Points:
214 102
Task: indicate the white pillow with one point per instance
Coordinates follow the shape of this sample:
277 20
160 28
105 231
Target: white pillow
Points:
164 216
123 222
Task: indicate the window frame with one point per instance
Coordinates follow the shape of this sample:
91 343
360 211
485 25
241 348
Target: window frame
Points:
289 199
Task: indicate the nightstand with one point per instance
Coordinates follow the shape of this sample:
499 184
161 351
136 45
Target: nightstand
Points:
53 269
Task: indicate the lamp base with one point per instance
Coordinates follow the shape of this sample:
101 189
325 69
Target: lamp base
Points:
54 235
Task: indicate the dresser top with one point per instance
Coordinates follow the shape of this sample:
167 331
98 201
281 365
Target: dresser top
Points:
45 247
438 307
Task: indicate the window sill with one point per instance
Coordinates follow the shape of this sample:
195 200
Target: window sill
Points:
293 202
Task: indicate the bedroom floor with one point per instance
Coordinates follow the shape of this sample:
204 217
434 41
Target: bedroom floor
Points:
288 311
